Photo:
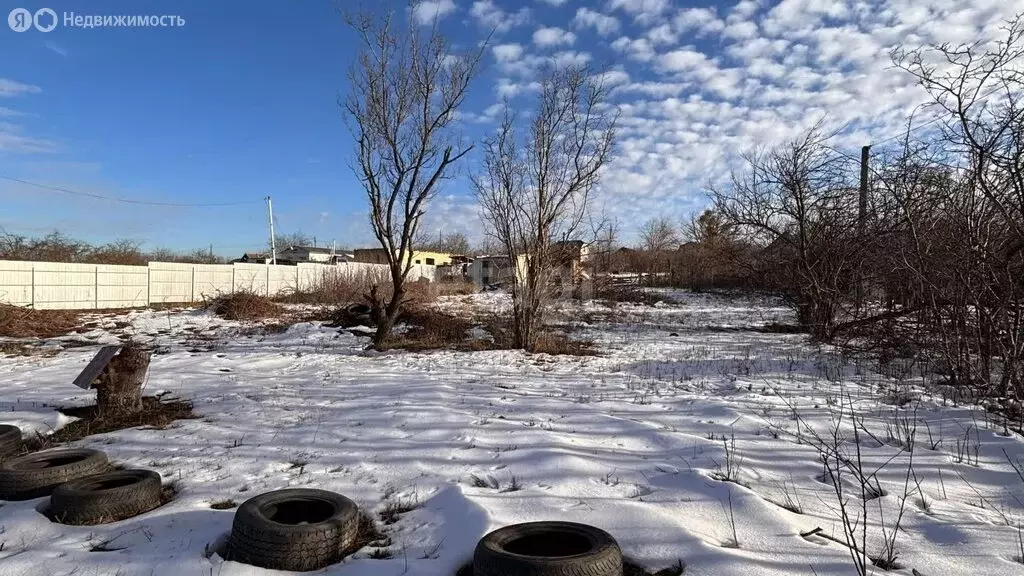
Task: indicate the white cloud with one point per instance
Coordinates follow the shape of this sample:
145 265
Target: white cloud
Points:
507 52
682 60
508 88
54 47
492 17
570 58
430 10
14 88
643 11
740 29
554 2
662 34
701 20
764 73
639 49
553 36
603 23
12 136
13 140
746 9
614 77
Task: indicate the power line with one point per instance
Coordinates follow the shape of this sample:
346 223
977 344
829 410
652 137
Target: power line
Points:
127 200
908 131
936 119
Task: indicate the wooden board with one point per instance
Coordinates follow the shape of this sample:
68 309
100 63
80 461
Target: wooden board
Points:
96 366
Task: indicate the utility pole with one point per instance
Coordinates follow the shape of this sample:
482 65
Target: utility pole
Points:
862 215
862 219
273 241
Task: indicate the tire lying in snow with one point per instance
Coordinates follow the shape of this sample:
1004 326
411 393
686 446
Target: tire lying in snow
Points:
548 549
10 441
104 498
359 309
35 475
294 529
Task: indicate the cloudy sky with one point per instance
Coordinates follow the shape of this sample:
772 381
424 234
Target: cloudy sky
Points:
236 104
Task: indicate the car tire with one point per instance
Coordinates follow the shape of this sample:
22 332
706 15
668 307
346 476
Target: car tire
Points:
105 498
10 441
547 549
34 475
294 529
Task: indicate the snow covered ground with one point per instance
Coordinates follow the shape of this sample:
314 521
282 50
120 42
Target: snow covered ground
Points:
633 440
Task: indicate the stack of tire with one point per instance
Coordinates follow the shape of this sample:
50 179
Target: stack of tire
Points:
294 529
83 488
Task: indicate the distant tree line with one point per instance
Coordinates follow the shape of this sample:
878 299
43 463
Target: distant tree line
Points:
58 247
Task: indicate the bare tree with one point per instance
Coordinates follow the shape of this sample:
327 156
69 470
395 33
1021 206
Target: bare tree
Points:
406 87
451 243
797 203
962 213
658 235
536 192
659 239
298 238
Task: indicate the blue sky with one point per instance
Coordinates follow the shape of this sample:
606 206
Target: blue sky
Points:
240 102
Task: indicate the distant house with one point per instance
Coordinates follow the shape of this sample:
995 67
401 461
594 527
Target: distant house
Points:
570 258
571 251
490 270
315 254
457 271
379 256
253 258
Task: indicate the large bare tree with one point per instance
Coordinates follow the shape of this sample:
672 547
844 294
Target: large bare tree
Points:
797 202
659 234
406 87
535 191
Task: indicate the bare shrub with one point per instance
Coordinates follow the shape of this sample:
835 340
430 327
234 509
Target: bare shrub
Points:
336 287
430 329
19 322
245 305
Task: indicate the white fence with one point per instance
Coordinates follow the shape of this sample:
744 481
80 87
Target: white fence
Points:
95 286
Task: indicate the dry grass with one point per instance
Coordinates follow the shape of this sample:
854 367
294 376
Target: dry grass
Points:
245 305
370 535
430 329
556 343
550 342
626 293
155 414
337 289
20 322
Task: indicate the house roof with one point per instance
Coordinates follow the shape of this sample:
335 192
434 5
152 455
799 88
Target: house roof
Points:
255 255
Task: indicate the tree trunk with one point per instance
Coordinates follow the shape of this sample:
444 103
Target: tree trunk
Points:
119 387
386 314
